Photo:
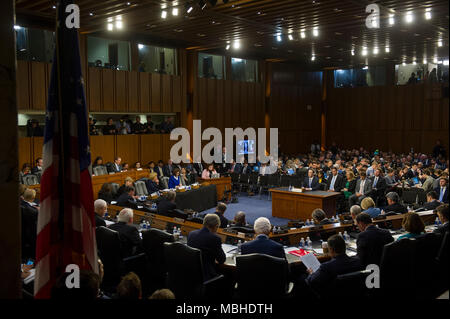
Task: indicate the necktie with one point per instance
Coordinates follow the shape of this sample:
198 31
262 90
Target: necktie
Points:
375 181
333 180
361 188
310 180
441 195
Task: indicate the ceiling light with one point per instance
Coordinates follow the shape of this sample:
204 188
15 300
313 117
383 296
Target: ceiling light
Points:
414 62
391 19
445 62
119 24
424 61
302 34
387 49
54 7
163 14
140 46
353 52
290 37
375 50
364 51
313 57
202 4
428 13
190 8
128 3
403 63
439 43
17 27
110 26
236 44
175 11
227 47
91 14
365 67
409 17
315 31
279 37
435 60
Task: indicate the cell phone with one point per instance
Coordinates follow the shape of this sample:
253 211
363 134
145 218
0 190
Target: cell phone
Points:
30 263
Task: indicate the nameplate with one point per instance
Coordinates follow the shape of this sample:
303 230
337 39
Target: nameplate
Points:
316 228
178 220
241 235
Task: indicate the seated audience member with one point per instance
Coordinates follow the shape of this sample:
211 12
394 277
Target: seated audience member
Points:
127 183
319 217
335 182
442 212
100 208
125 167
368 206
262 244
162 294
208 172
116 167
350 184
89 287
428 182
149 126
184 177
130 287
391 180
26 170
413 224
393 204
321 179
442 190
167 204
29 215
152 183
38 168
378 185
371 240
220 210
122 126
138 127
127 198
129 235
106 193
210 245
98 162
167 126
239 219
311 182
355 210
362 190
151 166
432 201
339 264
168 169
160 169
137 166
175 179
109 128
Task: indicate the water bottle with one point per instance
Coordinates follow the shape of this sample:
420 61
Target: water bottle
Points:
180 235
308 243
148 224
436 221
239 247
174 232
307 222
302 243
346 237
340 234
337 218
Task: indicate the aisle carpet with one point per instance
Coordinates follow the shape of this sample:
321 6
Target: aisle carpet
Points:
253 207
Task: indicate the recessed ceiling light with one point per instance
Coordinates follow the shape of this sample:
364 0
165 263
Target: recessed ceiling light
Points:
128 3
315 31
236 44
53 7
387 49
439 43
110 26
302 34
163 14
409 17
375 50
428 13
175 11
391 19
290 37
91 14
140 46
227 47
259 12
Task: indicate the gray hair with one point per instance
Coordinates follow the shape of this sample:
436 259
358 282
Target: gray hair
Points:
211 220
393 196
99 204
318 214
355 210
262 226
171 195
125 215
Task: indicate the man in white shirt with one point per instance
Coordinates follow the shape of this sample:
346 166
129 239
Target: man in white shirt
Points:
442 190
116 166
362 190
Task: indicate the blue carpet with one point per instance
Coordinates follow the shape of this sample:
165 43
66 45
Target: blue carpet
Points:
253 207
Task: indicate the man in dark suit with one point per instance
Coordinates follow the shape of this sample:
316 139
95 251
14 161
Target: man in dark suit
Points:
29 224
362 189
220 210
127 198
198 166
339 264
210 245
168 169
168 204
116 167
432 201
100 208
38 168
442 190
131 242
442 212
371 240
379 186
160 169
393 204
262 244
335 181
311 182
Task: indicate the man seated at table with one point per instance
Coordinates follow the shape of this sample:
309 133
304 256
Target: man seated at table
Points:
393 204
128 182
152 183
167 204
371 240
220 210
340 263
311 183
131 242
362 189
262 244
442 212
335 181
239 220
432 201
210 245
319 217
128 198
100 207
29 215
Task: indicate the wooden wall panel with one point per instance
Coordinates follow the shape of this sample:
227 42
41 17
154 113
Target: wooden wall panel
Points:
177 99
133 92
38 85
37 144
144 92
156 92
166 89
128 148
121 89
107 90
25 149
94 89
23 85
166 145
104 146
150 146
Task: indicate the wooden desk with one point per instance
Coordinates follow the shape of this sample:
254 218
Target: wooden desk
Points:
296 205
428 217
222 184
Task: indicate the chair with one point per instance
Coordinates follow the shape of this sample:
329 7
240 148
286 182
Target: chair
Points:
239 229
164 180
234 180
115 187
243 181
153 242
185 273
141 188
443 261
100 170
252 267
30 179
253 181
351 285
409 196
286 181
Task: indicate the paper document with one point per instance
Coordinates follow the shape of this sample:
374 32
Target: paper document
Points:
310 261
30 276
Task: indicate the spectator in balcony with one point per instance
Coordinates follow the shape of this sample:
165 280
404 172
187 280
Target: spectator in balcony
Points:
138 127
33 128
109 128
149 126
167 126
92 128
122 126
412 79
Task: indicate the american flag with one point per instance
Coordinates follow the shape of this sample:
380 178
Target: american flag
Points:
66 224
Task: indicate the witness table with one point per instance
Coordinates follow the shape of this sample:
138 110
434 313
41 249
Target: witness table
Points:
199 199
222 184
299 205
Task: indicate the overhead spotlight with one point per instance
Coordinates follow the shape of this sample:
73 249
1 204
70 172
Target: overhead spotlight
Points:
365 67
428 13
353 52
163 14
119 24
17 27
175 11
54 7
315 31
375 50
439 43
391 19
140 46
227 47
236 44
110 26
279 37
409 17
128 3
91 14
445 62
424 61
387 49
435 60
403 63
290 37
364 51
313 57
189 8
302 34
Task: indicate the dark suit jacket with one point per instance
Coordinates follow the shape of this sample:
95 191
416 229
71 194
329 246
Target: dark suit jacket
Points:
442 229
338 184
396 207
328 271
431 205
438 192
211 246
314 184
99 221
152 187
167 170
165 206
381 184
126 200
223 220
114 168
263 245
159 171
370 244
131 242
29 230
36 170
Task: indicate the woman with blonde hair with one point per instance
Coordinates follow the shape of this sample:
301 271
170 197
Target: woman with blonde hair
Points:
368 206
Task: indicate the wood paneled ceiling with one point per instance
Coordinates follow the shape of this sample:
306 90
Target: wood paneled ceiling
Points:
255 23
